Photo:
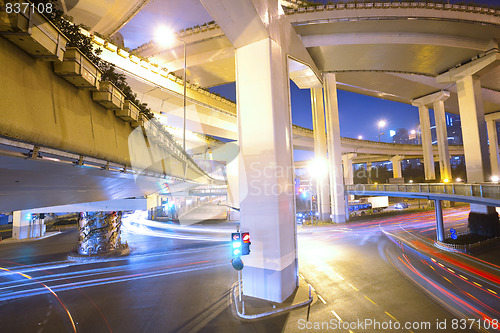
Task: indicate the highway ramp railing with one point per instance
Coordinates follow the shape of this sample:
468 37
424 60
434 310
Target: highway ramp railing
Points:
487 193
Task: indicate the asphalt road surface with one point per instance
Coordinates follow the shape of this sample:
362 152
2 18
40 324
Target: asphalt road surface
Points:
178 279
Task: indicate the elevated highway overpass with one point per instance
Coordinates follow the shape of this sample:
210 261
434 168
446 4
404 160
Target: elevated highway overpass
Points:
392 51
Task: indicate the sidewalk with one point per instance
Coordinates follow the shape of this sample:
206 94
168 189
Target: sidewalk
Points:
250 308
13 241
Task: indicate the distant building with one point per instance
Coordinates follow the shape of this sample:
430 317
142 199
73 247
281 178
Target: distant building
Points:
400 136
454 129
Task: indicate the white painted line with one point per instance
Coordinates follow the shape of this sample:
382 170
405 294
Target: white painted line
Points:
301 276
321 298
311 287
336 315
353 287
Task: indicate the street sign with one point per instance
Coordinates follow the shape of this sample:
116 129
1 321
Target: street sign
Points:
237 263
453 233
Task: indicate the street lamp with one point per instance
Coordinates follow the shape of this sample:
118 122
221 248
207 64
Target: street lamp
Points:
360 137
318 169
381 124
165 37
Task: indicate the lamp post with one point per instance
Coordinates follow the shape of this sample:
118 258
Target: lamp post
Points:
184 98
381 124
165 36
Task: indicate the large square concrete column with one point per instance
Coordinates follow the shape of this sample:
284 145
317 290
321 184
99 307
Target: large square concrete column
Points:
337 196
318 116
483 220
348 171
265 136
233 190
396 166
425 133
437 100
491 125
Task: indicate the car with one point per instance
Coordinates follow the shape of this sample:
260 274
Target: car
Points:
401 205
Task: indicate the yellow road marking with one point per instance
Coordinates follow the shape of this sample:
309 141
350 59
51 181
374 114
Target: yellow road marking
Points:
477 284
353 287
368 298
463 277
491 291
446 279
336 315
387 313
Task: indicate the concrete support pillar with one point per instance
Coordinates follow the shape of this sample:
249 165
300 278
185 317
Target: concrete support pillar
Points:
320 152
100 233
265 137
437 100
369 172
348 171
477 159
396 166
27 225
153 202
439 220
493 147
337 196
425 133
442 137
483 220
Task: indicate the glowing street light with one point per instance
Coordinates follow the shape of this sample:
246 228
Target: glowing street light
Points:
165 37
318 168
360 137
495 179
381 124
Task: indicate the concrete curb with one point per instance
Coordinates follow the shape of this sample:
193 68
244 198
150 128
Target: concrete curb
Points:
268 313
10 240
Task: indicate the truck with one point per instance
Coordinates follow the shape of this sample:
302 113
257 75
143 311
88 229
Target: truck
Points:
378 203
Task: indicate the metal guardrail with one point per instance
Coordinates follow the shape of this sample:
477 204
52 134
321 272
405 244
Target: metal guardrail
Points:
403 4
485 191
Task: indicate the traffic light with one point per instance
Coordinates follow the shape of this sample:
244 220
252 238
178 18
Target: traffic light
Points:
236 244
245 236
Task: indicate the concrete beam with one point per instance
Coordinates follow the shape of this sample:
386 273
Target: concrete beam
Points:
476 67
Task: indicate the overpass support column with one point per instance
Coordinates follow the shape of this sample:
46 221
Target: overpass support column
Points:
396 166
27 225
437 100
320 153
439 221
153 203
483 220
493 145
100 233
425 133
442 137
369 172
265 137
348 172
334 151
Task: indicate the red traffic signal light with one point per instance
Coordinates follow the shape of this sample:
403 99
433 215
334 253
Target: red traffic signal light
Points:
245 236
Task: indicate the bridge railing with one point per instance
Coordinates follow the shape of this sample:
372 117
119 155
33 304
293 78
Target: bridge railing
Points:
487 191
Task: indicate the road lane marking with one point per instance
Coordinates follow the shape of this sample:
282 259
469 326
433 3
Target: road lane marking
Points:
321 298
301 276
446 279
312 288
387 313
353 287
432 268
368 298
336 315
477 284
491 291
463 277
451 270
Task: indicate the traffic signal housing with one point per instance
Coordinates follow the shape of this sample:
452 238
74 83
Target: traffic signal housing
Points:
236 244
245 237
